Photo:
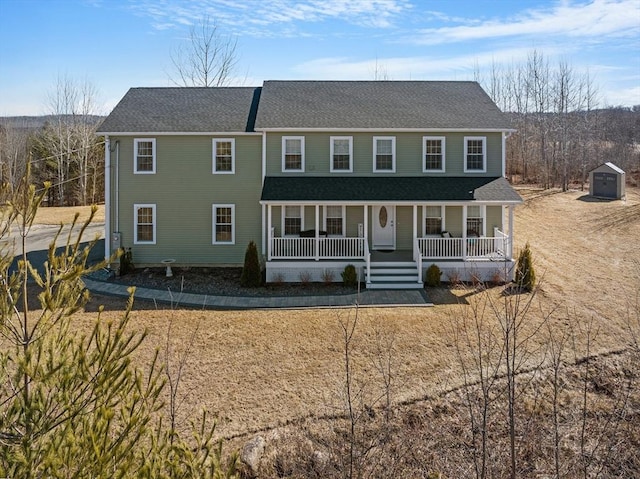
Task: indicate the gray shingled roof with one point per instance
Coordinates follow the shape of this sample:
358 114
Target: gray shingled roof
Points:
377 105
387 188
181 109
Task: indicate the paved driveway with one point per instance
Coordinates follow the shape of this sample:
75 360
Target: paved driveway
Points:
41 236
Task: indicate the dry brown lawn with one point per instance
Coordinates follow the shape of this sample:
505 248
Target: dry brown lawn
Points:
57 214
259 369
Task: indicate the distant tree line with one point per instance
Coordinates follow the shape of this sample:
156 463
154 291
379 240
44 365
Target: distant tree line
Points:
562 131
64 150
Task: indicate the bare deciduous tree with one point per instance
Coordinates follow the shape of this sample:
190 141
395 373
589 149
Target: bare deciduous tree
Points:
208 59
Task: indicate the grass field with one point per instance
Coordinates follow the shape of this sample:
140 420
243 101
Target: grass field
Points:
261 369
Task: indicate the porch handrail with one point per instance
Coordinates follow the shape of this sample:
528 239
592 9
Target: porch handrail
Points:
461 248
290 247
417 257
367 258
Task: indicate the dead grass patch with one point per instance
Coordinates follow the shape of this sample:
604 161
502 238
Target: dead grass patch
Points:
260 369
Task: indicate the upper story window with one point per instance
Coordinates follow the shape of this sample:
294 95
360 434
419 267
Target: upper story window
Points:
224 224
384 154
433 220
341 154
224 152
475 154
433 153
144 155
292 220
293 153
334 219
144 228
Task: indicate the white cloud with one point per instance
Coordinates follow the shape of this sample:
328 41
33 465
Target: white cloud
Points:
594 19
406 68
371 13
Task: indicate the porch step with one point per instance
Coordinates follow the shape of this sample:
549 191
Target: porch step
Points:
394 275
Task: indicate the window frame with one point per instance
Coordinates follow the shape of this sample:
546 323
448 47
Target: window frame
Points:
214 155
136 207
214 218
483 219
136 142
284 217
332 167
284 154
424 219
393 154
343 218
443 154
467 139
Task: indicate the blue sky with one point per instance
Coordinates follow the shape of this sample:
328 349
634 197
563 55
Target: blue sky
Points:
118 44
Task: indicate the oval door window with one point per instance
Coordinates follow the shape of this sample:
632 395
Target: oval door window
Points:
382 216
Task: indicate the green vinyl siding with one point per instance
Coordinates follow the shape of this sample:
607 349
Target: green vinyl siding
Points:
409 160
494 219
184 189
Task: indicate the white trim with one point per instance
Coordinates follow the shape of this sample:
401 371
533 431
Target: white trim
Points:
283 210
484 154
136 207
343 214
107 197
135 156
214 144
443 141
214 223
388 130
180 133
393 153
385 202
331 146
284 142
264 157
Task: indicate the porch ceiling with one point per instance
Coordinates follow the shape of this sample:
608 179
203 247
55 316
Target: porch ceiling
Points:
388 188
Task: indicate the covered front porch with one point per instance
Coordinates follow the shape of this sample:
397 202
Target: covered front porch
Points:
390 241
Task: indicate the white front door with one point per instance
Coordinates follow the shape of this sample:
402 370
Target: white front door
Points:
384 227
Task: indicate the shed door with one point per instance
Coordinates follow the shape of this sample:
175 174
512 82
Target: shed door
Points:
605 185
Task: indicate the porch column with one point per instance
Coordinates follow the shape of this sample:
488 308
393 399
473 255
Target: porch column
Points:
365 233
269 238
511 224
264 210
415 223
464 232
317 244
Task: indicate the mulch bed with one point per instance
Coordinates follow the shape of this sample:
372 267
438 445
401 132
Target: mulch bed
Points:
223 281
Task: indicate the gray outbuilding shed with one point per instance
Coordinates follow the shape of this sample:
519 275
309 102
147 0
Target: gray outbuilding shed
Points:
607 181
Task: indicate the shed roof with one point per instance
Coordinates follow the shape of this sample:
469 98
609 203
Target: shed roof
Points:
387 188
378 105
184 109
609 166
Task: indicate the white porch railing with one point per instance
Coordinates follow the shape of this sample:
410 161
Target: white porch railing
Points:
461 248
317 248
423 248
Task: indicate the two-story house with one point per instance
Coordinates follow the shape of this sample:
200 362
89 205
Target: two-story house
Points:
390 176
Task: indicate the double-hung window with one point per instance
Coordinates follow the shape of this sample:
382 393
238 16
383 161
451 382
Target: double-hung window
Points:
224 224
334 220
292 220
433 153
224 151
475 154
144 227
475 220
341 154
384 154
293 153
144 156
432 220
